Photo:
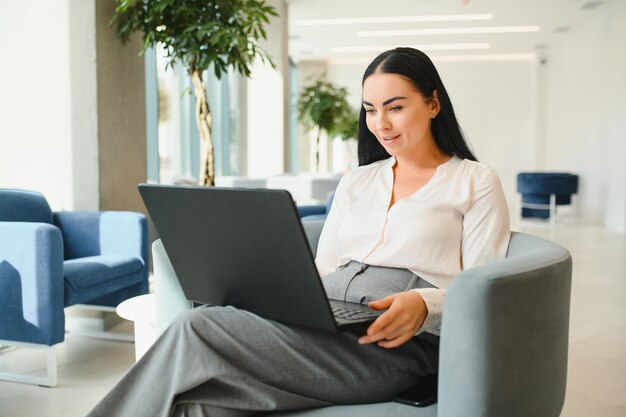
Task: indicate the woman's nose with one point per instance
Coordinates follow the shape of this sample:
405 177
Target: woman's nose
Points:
382 123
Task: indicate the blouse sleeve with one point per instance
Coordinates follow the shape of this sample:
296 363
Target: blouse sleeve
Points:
486 234
486 225
327 258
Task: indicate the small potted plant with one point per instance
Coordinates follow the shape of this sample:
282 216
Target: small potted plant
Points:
323 107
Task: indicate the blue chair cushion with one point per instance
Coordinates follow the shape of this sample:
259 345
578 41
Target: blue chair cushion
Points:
24 206
91 277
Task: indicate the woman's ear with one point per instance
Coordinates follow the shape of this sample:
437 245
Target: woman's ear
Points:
434 104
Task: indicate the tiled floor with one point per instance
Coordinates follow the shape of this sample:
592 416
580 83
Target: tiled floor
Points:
88 368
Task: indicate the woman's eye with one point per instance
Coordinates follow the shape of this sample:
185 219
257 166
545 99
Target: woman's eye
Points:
369 110
395 108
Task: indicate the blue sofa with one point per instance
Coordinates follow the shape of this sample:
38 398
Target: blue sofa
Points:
504 336
52 260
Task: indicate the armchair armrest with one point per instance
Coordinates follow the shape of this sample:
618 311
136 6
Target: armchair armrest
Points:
103 233
505 333
31 283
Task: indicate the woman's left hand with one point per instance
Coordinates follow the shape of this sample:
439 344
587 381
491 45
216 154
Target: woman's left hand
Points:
405 315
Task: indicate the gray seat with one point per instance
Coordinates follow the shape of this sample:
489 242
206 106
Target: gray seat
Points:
504 335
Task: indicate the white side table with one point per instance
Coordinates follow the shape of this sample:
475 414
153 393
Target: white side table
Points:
140 310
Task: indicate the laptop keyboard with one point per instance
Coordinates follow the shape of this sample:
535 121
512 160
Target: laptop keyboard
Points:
353 314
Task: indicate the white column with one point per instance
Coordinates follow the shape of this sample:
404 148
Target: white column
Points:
266 101
616 181
83 105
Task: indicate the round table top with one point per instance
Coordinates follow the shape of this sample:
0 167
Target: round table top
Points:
140 308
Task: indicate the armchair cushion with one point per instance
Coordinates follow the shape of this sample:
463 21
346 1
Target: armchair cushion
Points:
91 276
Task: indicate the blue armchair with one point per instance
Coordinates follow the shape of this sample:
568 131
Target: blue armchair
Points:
49 261
542 192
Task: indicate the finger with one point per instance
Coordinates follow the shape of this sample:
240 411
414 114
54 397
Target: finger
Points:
394 343
381 322
398 331
382 302
390 332
389 328
373 334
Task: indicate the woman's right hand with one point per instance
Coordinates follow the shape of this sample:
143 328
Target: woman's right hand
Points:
406 312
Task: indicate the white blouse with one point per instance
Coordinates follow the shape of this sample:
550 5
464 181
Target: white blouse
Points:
458 220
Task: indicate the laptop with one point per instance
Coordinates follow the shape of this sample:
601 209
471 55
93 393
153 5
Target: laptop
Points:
247 248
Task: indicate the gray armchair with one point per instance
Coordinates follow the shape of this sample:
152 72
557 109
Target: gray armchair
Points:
504 335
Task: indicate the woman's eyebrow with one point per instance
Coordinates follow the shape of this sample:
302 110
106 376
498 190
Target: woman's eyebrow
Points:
391 100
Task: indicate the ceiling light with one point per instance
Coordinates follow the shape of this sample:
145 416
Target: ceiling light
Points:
394 19
442 58
448 31
425 47
491 57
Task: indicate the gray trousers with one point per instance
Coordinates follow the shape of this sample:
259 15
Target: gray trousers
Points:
224 362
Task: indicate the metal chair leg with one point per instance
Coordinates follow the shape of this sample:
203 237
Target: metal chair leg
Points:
50 380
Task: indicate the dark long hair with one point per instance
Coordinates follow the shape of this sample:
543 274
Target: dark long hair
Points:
415 66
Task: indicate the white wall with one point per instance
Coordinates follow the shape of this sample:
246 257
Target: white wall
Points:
48 118
616 201
35 117
585 114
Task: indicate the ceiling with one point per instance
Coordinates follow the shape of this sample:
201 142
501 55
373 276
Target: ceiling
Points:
555 18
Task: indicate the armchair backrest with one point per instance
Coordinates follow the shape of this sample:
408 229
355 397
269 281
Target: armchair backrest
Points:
24 206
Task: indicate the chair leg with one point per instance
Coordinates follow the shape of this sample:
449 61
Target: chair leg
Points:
552 209
50 380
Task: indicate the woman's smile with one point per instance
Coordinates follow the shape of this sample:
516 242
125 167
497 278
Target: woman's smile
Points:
389 139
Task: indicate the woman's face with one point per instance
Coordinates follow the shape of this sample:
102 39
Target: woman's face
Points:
397 114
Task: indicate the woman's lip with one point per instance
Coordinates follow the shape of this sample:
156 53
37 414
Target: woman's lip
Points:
390 138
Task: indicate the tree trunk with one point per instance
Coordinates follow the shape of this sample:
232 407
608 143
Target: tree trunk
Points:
317 150
203 120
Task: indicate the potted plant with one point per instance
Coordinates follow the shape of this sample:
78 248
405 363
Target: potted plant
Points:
224 33
323 107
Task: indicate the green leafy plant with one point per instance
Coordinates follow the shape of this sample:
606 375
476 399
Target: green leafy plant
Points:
323 107
198 33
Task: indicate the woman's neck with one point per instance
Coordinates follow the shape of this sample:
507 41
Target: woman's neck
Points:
428 157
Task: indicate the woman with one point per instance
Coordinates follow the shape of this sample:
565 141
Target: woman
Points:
417 211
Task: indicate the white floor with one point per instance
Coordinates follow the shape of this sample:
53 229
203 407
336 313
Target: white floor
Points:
88 368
